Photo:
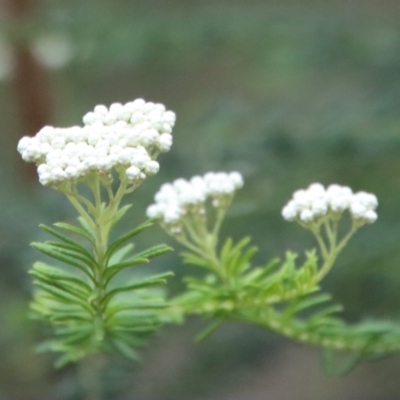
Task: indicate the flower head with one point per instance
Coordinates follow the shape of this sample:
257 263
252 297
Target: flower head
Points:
126 138
187 198
317 202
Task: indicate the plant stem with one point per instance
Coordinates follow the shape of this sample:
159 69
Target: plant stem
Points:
89 372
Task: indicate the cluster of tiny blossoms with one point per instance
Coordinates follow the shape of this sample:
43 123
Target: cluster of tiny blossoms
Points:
174 201
311 204
125 137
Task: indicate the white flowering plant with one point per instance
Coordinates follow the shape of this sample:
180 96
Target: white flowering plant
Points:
282 295
111 155
96 165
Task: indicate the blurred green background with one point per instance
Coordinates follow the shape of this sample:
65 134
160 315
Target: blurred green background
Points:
287 92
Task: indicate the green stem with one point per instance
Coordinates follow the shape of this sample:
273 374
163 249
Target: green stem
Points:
344 339
82 212
345 240
89 372
193 234
219 218
95 187
182 239
316 231
335 250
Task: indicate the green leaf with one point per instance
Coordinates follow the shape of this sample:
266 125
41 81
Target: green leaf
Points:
61 295
144 305
62 237
66 359
69 243
142 330
99 328
53 273
193 259
87 228
76 230
260 273
270 267
113 270
132 339
289 265
120 254
154 251
201 286
65 250
309 302
77 338
119 214
226 249
69 318
71 329
43 306
155 280
341 367
318 317
231 256
243 262
144 321
122 239
55 253
125 350
208 331
69 287
79 252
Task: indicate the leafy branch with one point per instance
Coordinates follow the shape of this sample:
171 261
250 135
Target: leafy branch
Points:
284 297
77 296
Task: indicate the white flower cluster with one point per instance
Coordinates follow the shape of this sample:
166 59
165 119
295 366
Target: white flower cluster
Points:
311 204
122 137
173 201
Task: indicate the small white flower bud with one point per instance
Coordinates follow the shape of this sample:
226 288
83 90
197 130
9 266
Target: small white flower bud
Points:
358 210
91 118
165 142
23 144
148 107
138 103
237 179
71 172
57 173
133 173
110 118
169 117
58 142
339 204
319 207
43 168
101 109
316 190
153 211
306 215
289 212
116 108
45 178
137 117
371 216
152 168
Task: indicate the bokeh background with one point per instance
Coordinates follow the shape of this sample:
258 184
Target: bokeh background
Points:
287 92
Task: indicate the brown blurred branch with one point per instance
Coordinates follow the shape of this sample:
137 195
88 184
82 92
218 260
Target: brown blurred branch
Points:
29 77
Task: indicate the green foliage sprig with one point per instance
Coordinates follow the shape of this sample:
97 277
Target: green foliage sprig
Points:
96 166
89 312
284 296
